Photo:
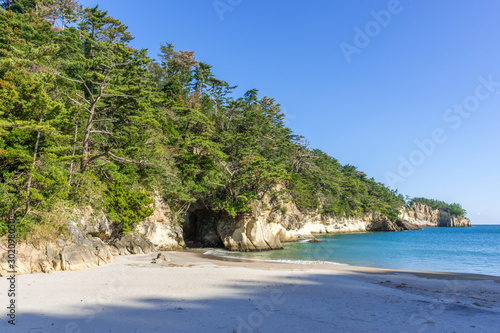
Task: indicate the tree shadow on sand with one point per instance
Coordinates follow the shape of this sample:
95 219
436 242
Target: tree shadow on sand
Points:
311 303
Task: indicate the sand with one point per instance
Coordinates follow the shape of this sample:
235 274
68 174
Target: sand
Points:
198 293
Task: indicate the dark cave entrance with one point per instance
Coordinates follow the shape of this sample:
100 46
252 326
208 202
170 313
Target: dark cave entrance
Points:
200 227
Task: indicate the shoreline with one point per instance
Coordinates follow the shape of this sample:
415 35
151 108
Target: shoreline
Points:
196 292
348 267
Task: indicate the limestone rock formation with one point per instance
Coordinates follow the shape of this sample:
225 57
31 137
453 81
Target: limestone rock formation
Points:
160 228
264 228
272 221
80 253
89 253
131 244
425 216
247 233
94 240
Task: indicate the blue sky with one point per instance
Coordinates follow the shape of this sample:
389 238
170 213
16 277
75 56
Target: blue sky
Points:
362 80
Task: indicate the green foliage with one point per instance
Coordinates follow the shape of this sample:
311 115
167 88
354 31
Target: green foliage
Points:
454 209
321 183
88 120
126 206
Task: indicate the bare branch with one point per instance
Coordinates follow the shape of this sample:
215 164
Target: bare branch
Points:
84 99
118 95
77 102
67 78
227 168
126 160
103 120
86 87
104 132
93 158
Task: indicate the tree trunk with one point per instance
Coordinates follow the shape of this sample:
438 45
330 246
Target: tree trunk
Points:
30 177
63 18
92 43
86 139
73 152
13 212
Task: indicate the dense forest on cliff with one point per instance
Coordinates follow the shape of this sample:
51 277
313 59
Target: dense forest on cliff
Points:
87 120
454 209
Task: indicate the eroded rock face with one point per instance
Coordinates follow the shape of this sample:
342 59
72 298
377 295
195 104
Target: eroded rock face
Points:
92 252
283 234
160 229
247 233
273 221
79 254
321 224
91 222
94 240
425 216
132 244
263 229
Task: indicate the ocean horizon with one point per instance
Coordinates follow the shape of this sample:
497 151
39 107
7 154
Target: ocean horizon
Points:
474 250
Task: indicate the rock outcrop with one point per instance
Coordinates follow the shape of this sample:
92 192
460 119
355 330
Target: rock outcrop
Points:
426 216
273 221
94 241
77 254
89 253
131 244
161 229
245 232
265 227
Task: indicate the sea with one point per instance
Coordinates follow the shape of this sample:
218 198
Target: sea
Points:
461 250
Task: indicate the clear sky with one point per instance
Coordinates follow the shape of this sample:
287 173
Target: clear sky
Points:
407 91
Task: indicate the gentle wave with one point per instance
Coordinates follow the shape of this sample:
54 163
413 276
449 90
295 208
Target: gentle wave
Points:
465 250
224 254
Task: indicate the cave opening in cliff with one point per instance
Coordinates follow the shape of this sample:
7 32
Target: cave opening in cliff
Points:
200 227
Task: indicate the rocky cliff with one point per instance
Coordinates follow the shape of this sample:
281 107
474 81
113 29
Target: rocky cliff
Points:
93 239
425 216
272 222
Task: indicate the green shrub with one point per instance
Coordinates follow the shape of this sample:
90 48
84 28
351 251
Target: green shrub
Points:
127 207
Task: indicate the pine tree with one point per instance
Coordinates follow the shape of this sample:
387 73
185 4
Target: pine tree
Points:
111 85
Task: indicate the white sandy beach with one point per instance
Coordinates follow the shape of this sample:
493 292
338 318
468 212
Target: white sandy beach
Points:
196 293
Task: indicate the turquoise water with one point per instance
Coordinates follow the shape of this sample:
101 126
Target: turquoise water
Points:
463 250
